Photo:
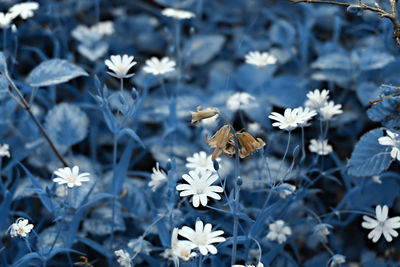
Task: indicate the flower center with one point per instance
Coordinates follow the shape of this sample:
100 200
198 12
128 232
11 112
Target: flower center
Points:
72 178
200 239
21 230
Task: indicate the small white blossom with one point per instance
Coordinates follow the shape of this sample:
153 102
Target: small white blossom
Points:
200 186
376 179
70 177
156 66
278 231
254 128
61 191
5 150
329 110
317 99
304 115
336 260
180 249
286 189
21 227
288 121
240 100
381 225
104 27
120 65
158 177
391 140
177 13
5 19
200 161
123 258
321 148
203 237
24 10
260 59
321 231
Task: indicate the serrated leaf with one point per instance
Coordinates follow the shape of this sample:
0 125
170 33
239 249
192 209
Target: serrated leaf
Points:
369 157
54 71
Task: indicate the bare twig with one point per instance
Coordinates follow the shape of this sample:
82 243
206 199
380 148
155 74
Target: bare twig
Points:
26 106
392 16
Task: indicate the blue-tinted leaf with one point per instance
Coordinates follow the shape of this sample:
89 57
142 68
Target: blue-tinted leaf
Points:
286 91
340 61
54 71
373 59
201 48
386 112
369 157
367 92
27 260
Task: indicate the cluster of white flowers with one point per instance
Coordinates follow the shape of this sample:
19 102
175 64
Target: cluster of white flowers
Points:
279 231
391 140
381 225
4 150
23 10
21 228
318 100
200 187
292 118
259 59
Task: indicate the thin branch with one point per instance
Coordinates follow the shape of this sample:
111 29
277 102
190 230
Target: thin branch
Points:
392 16
27 107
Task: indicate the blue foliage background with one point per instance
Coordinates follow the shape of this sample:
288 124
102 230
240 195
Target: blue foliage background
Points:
119 136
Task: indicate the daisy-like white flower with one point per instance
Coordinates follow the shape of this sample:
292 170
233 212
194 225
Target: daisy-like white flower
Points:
260 264
5 150
180 249
158 177
260 59
156 66
390 140
329 110
5 19
123 258
336 260
177 13
120 65
279 231
200 186
321 231
304 115
200 161
21 228
321 148
104 27
381 225
316 99
70 177
24 10
240 100
288 121
203 237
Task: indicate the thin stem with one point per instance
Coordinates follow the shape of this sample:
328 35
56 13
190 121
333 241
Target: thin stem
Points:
5 40
236 199
115 146
122 84
27 107
284 155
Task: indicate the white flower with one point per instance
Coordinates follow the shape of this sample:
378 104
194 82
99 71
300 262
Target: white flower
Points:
20 228
260 59
200 161
336 260
158 177
304 115
391 140
376 179
321 148
203 237
381 225
70 177
317 99
180 249
321 231
278 231
330 109
240 100
5 19
4 151
200 186
254 128
286 189
210 121
159 67
61 191
288 121
120 65
24 10
123 258
104 27
177 13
